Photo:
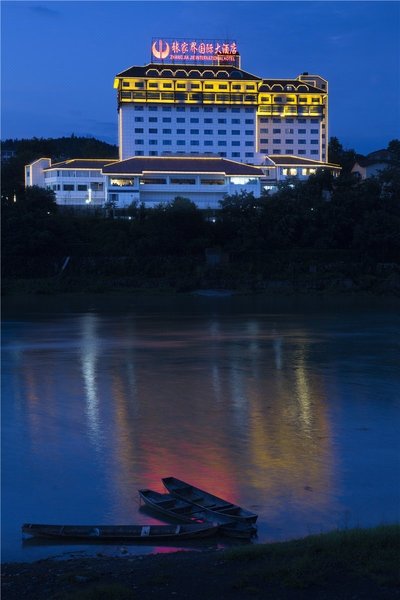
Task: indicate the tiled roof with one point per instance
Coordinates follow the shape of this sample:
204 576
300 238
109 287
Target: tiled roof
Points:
280 85
171 164
182 71
283 160
82 163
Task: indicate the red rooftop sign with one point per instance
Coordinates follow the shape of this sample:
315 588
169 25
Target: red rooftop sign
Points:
188 51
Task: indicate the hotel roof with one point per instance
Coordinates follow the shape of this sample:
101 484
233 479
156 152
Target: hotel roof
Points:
174 164
288 160
82 163
181 71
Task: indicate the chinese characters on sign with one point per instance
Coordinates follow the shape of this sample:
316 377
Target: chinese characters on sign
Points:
191 51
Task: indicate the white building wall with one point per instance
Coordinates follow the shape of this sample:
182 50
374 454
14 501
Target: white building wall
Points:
34 174
74 187
156 130
300 136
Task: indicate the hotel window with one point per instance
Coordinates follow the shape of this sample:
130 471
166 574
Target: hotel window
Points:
208 143
139 130
208 109
236 154
315 100
166 120
249 110
276 141
222 109
221 131
152 84
288 151
301 152
139 84
181 142
67 187
208 120
249 143
181 131
289 120
208 86
194 131
302 99
153 119
139 142
138 119
166 142
221 120
97 187
276 131
314 141
167 86
222 143
82 187
249 121
153 108
249 154
235 121
235 110
222 153
208 132
249 132
264 120
314 120
276 151
278 98
153 153
235 132
152 130
153 142
288 141
194 142
168 131
139 153
138 108
125 84
181 120
235 144
194 120
302 130
314 151
276 120
223 87
264 141
236 86
302 142
314 131
181 86
289 130
302 120
166 109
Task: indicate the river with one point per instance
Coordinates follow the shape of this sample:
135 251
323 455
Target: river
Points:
287 406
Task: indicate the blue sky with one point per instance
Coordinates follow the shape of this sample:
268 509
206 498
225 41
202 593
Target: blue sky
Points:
59 58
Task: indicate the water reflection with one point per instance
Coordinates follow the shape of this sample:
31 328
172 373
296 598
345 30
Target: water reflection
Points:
246 406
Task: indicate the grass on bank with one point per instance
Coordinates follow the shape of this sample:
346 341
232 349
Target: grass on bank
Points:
318 559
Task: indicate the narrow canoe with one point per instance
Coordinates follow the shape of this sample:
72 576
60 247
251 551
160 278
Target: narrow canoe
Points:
205 500
180 510
116 533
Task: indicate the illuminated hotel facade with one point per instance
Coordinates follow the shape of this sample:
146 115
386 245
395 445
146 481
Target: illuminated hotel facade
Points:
179 104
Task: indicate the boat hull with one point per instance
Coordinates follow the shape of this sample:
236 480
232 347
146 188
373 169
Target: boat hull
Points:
205 500
117 533
180 510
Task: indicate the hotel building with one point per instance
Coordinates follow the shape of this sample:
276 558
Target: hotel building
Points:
194 101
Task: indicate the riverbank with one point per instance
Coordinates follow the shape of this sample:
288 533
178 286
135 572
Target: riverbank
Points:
357 564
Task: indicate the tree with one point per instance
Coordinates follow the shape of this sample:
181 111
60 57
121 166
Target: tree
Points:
337 155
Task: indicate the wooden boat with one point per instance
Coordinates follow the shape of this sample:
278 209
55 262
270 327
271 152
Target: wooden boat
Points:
134 533
178 509
205 500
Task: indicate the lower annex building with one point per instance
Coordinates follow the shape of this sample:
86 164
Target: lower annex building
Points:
193 108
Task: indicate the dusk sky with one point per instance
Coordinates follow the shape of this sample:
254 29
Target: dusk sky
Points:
59 58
